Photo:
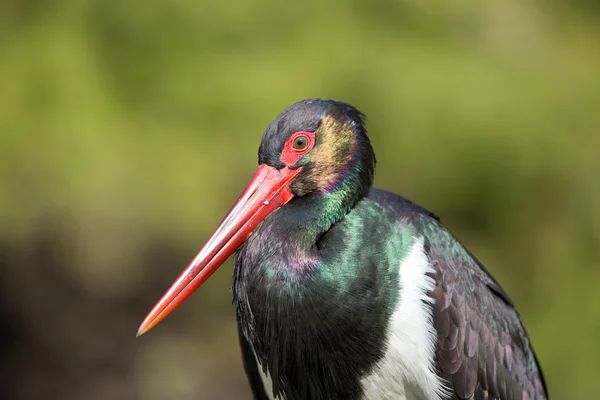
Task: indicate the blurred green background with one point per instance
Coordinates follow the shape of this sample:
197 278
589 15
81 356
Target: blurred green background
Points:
128 128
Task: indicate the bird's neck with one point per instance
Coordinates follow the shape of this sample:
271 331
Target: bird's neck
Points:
286 245
310 217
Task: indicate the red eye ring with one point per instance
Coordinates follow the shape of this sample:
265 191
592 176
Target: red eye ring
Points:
300 143
292 151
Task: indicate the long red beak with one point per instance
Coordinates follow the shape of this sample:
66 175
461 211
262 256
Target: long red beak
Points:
268 190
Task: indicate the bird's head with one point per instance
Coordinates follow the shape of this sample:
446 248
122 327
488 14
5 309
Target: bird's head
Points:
314 148
325 142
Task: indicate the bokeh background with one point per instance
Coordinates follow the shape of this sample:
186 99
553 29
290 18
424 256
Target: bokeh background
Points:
128 128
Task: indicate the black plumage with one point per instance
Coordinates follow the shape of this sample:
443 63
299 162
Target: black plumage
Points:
319 280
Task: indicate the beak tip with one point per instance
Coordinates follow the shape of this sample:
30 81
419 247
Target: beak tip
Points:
144 327
140 331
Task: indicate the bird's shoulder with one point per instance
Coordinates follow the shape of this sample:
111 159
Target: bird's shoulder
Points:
482 347
440 244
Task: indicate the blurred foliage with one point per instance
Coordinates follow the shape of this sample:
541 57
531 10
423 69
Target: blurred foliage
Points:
128 128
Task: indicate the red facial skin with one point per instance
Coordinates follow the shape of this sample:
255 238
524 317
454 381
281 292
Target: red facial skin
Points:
290 155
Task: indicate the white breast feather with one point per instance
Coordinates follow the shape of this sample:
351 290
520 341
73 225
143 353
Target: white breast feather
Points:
407 371
266 380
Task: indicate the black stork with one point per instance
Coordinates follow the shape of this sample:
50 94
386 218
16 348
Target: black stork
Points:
347 292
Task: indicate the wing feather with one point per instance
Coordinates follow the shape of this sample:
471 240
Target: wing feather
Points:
483 350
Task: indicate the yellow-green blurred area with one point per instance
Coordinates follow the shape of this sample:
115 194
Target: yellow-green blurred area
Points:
128 128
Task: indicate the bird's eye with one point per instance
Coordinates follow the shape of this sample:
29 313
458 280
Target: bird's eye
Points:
300 143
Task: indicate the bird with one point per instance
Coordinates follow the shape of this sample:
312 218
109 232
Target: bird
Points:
344 291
